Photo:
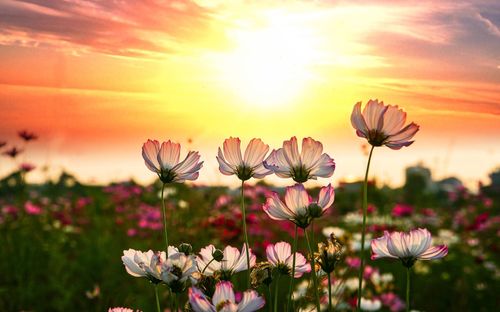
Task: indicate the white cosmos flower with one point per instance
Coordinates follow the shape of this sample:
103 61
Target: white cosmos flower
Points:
383 125
370 305
164 161
177 269
311 163
146 264
224 300
280 256
231 162
233 261
408 247
299 207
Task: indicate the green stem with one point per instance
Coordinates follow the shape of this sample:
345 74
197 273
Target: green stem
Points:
270 304
164 218
408 289
245 231
329 293
276 292
313 271
365 207
206 266
290 286
157 299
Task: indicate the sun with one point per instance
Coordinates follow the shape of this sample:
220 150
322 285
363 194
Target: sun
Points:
269 65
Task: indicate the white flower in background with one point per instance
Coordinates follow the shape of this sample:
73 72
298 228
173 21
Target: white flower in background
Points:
301 290
339 232
355 243
446 237
352 283
370 305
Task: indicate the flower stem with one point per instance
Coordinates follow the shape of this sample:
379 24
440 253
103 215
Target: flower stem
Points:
276 292
164 218
290 286
245 231
408 273
363 230
329 293
158 309
206 266
313 271
270 306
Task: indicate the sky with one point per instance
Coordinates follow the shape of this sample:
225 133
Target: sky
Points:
96 79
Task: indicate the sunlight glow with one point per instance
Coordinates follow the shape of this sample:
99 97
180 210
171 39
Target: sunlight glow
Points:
270 65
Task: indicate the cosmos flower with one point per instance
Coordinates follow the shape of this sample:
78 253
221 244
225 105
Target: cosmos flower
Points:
224 300
176 270
12 152
26 167
233 261
250 166
27 136
286 162
408 247
383 125
280 256
146 264
370 305
164 161
299 206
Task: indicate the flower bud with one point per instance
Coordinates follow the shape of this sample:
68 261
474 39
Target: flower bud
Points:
218 255
315 211
185 248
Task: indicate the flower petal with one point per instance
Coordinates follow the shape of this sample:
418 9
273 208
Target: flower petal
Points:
168 155
394 119
311 151
199 301
251 302
434 252
223 292
296 199
150 151
358 121
326 197
323 168
224 166
276 209
373 114
277 162
255 153
379 248
232 151
291 152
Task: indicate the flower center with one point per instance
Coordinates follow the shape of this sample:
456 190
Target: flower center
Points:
300 174
167 175
244 172
376 138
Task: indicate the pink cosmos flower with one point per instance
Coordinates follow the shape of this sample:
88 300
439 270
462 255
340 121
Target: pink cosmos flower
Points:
233 261
299 207
383 125
26 167
164 161
311 163
224 300
120 309
402 210
280 256
408 247
176 269
27 136
32 209
250 166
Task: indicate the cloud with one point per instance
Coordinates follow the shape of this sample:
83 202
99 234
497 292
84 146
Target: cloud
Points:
132 28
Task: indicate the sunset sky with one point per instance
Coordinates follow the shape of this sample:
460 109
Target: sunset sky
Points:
95 79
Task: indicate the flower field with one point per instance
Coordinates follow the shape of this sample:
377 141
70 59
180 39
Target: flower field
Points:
62 243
